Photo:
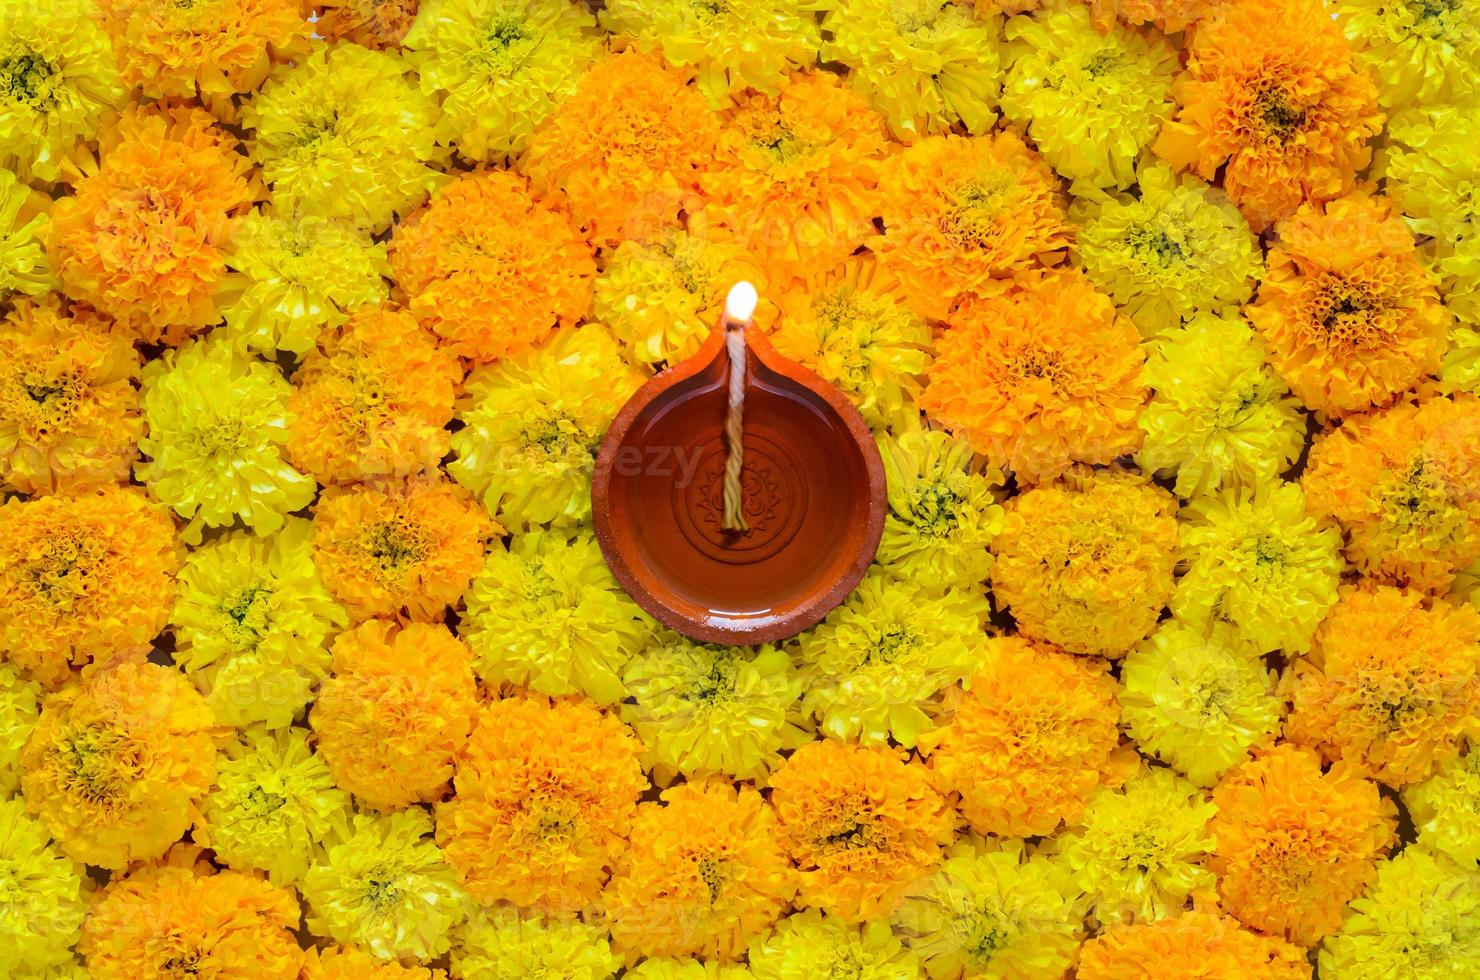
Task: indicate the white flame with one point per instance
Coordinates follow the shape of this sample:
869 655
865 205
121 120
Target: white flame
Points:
740 303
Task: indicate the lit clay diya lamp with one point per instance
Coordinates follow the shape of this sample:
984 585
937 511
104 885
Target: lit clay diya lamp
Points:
746 540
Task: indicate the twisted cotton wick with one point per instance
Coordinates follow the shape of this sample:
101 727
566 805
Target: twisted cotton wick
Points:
739 308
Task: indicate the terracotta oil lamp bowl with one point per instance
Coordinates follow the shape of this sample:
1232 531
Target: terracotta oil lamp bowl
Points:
812 494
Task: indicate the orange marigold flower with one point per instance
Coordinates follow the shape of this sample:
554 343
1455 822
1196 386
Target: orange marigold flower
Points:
795 174
862 825
1295 844
1040 374
1348 314
402 549
1391 686
704 875
144 237
348 963
69 408
1086 563
1033 737
86 577
184 918
625 164
1405 485
961 211
1272 97
489 268
377 24
117 763
396 712
372 400
546 792
1169 16
1203 944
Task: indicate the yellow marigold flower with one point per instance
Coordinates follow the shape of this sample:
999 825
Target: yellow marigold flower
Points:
397 711
926 65
59 81
1446 809
1169 16
24 269
347 963
1273 98
503 943
807 944
404 549
45 896
1040 375
69 412
1086 563
1176 248
686 968
1402 484
216 424
1197 943
293 277
117 762
342 133
1391 685
1419 52
873 668
20 707
1033 737
960 212
546 614
626 165
83 578
372 399
1258 561
144 237
546 792
489 268
1295 844
854 327
182 917
499 67
707 710
1421 918
376 24
705 873
531 426
1138 851
795 174
1198 699
273 802
1218 416
991 911
1091 100
862 825
386 888
1349 315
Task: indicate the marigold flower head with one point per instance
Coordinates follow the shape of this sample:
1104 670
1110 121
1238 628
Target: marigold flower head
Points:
182 915
503 942
1417 52
808 944
342 133
1034 734
926 65
69 412
386 888
1295 844
1198 943
372 399
1272 97
1086 563
292 277
704 710
83 578
1169 16
1446 809
398 709
20 707
624 164
960 212
24 269
216 421
686 968
46 896
348 963
873 668
546 792
145 235
1218 418
705 873
402 549
117 762
546 614
532 425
